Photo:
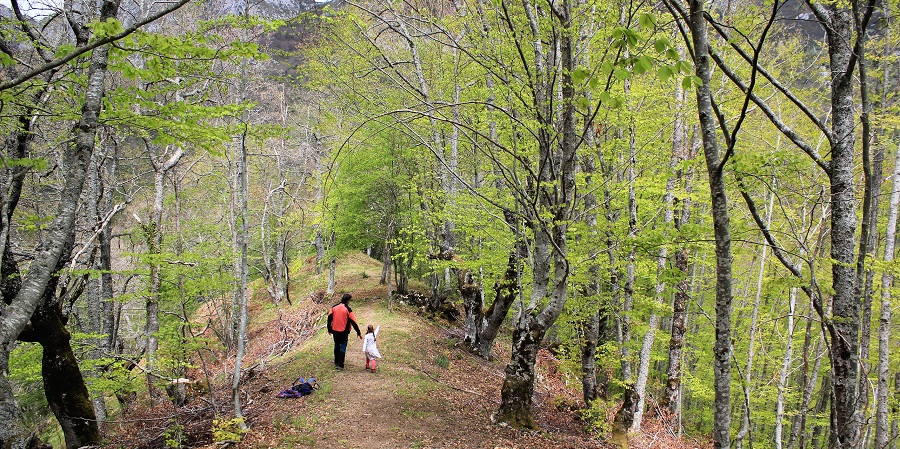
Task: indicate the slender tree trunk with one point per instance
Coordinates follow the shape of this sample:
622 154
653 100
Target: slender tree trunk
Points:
754 319
154 239
680 150
895 411
590 335
671 396
388 264
332 265
640 386
320 250
785 369
872 170
93 287
719 201
273 259
241 275
628 290
882 392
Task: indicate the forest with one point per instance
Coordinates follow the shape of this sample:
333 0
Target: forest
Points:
690 205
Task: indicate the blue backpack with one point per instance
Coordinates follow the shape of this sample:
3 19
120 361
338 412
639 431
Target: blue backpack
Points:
302 387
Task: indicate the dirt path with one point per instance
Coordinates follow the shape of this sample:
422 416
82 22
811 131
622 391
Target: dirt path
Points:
426 393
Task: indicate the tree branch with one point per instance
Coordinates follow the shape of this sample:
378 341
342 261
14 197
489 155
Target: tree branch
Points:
82 50
784 128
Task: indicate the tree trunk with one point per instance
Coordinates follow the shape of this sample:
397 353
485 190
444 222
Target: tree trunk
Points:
754 320
93 292
241 275
895 411
719 201
628 288
482 326
671 396
640 385
846 418
872 170
386 258
388 264
332 265
518 385
154 242
882 392
807 382
320 251
682 151
785 369
59 234
67 394
554 193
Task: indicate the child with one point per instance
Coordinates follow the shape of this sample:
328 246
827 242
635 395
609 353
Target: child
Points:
370 348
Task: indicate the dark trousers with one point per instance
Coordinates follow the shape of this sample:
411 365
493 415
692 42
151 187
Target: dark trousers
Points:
340 348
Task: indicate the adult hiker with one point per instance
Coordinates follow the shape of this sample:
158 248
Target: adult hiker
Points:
340 318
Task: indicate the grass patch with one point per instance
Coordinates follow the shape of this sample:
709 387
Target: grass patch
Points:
414 413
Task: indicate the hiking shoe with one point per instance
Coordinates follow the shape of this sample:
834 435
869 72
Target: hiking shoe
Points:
339 368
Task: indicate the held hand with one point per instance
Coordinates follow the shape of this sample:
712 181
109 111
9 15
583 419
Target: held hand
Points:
359 336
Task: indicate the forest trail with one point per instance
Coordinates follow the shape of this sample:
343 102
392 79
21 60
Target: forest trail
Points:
426 393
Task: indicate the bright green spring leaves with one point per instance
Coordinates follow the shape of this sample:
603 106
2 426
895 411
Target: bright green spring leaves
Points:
172 79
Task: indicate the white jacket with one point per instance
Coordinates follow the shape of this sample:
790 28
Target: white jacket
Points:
370 347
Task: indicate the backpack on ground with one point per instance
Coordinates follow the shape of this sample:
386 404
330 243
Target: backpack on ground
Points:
301 387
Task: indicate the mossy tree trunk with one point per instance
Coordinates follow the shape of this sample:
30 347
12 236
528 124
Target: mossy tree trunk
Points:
482 325
518 386
64 386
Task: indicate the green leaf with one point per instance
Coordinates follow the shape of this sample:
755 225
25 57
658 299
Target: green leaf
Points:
579 75
31 163
63 50
604 97
645 63
607 67
686 82
582 102
665 72
647 20
622 74
660 45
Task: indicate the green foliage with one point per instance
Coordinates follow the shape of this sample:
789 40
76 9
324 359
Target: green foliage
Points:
174 435
596 417
228 430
